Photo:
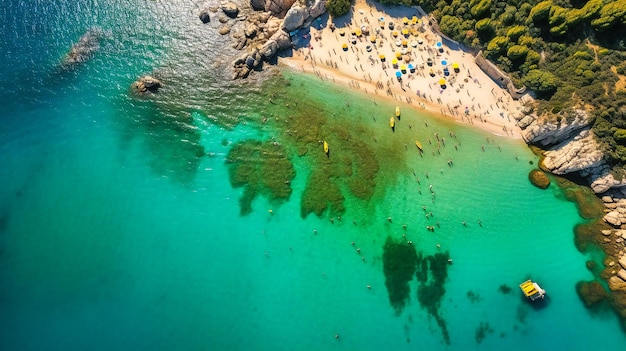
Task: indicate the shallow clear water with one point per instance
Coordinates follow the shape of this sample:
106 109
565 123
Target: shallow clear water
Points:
119 227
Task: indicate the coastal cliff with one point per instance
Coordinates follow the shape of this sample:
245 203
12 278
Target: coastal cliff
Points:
570 147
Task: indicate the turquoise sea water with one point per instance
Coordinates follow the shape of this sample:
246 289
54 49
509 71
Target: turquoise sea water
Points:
119 228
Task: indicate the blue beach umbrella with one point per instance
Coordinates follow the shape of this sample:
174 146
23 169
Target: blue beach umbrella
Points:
444 63
398 74
438 44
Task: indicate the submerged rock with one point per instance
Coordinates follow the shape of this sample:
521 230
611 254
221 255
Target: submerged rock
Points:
147 84
83 49
224 30
539 179
591 292
204 16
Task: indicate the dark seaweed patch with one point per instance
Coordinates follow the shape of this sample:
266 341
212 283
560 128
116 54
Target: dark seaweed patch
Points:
399 261
482 331
431 291
474 297
505 289
262 168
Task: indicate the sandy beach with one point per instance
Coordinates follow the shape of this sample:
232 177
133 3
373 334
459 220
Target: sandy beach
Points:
409 64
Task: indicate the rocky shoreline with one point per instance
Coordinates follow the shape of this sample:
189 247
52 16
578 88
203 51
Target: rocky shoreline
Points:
570 149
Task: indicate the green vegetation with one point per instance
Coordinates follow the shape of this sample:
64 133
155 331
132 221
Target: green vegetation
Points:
570 53
262 168
399 262
338 8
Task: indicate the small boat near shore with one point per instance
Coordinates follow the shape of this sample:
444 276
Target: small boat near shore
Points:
397 111
392 123
532 290
326 149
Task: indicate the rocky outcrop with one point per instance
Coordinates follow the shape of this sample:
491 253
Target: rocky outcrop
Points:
257 5
204 16
278 8
265 33
544 132
576 154
295 17
539 179
230 9
83 49
146 84
317 9
601 179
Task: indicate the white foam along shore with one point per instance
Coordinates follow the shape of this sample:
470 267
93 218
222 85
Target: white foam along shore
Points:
468 94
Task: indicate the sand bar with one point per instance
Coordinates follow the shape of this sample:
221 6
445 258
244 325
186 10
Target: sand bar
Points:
453 86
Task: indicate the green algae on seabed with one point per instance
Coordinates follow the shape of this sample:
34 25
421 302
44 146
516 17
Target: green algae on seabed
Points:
587 202
591 292
399 262
262 168
430 291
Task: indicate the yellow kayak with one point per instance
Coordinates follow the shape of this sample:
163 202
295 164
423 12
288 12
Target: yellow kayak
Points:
397 111
392 122
325 147
419 145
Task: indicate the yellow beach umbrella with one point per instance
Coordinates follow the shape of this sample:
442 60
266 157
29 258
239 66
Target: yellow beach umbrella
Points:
342 32
405 43
382 57
455 65
398 54
344 47
405 20
357 32
394 62
442 82
414 19
403 68
373 39
395 33
405 31
414 32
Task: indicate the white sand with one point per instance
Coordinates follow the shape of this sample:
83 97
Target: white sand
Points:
470 95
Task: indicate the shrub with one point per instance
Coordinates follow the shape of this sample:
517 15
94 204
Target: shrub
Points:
338 8
542 82
517 52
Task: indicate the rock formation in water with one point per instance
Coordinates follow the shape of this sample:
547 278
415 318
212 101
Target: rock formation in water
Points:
83 49
266 30
146 84
571 148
